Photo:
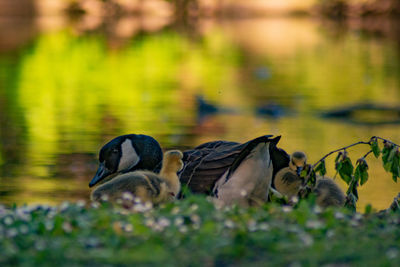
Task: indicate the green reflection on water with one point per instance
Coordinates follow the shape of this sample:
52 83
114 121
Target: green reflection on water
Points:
66 95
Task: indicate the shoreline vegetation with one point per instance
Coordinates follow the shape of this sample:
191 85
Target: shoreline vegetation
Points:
335 9
124 19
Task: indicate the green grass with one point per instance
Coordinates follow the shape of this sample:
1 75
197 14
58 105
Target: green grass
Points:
192 232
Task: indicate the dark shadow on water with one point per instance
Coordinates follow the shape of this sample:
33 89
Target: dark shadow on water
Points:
367 114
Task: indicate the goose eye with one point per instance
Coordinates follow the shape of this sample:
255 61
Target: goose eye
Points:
115 151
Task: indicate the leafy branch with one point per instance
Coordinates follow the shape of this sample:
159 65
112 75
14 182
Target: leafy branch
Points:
359 175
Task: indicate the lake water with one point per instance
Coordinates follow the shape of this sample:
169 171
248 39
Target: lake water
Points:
66 88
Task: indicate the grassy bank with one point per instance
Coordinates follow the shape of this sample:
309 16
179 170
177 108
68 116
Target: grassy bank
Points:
192 232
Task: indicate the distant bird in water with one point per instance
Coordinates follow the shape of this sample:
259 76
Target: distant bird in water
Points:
205 109
262 73
272 110
360 114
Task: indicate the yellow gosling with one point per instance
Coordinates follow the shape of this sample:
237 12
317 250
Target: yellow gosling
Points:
145 185
287 180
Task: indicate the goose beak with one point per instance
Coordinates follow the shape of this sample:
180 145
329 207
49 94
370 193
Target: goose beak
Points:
298 170
102 172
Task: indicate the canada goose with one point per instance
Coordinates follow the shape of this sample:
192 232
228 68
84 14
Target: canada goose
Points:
203 165
288 181
248 179
146 185
328 193
127 153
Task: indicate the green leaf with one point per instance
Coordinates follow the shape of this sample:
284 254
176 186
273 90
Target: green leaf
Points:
361 172
368 209
392 153
364 177
375 147
345 169
385 152
389 153
321 168
353 188
395 166
338 157
312 179
351 202
387 166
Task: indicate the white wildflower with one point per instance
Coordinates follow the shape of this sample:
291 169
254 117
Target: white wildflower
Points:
392 253
183 229
67 227
128 227
287 209
11 232
252 225
81 203
23 229
229 224
104 197
164 222
40 245
8 220
64 206
178 221
306 239
317 209
314 224
339 215
95 205
49 225
195 218
175 210
263 226
149 222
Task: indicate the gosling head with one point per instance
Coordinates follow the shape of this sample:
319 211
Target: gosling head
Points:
173 160
298 161
127 153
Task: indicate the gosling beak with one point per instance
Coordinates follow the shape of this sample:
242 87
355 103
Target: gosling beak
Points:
298 170
102 172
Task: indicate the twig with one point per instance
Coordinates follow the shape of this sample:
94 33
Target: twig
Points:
386 140
337 150
367 154
358 143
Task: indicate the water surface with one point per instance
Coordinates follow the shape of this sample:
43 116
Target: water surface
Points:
64 92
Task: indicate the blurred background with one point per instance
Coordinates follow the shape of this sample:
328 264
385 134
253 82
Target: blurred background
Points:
76 73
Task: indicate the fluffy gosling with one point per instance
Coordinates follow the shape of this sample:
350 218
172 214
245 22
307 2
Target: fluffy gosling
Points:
145 185
328 193
287 180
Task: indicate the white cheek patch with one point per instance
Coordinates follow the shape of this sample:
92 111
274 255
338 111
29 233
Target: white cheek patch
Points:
129 157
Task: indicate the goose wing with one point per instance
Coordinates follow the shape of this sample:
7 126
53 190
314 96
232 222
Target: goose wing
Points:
206 163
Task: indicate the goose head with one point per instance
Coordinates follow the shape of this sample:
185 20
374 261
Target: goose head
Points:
298 161
127 153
